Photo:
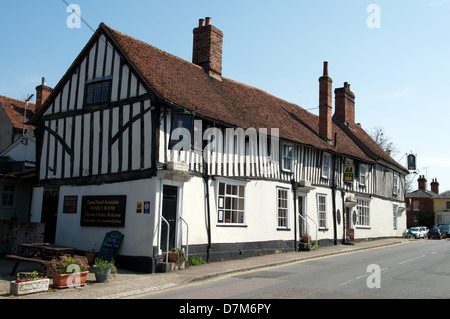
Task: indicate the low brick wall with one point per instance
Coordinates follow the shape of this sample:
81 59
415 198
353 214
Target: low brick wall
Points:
14 233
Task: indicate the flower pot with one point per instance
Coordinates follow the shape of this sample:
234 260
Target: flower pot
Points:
28 287
173 257
102 276
91 256
69 280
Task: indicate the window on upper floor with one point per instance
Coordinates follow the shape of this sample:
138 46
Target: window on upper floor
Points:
326 166
363 169
447 205
416 205
287 155
395 187
98 92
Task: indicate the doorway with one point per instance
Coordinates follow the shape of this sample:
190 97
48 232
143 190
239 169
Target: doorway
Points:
169 212
49 213
302 221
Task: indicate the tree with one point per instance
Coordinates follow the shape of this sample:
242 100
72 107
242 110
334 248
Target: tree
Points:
377 134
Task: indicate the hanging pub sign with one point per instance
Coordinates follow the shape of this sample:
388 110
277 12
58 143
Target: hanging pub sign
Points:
411 162
181 121
103 211
348 173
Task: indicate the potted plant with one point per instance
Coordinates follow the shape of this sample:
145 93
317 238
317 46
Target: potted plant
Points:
68 271
103 268
177 255
305 238
28 283
91 255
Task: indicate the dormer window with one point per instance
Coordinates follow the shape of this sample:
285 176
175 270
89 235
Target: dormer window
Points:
287 158
363 174
98 92
326 166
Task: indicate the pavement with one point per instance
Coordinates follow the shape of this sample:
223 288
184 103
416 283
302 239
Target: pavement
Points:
126 284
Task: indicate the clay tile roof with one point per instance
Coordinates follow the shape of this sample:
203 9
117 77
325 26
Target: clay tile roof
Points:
14 109
187 85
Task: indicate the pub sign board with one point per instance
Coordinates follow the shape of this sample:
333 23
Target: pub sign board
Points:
103 211
348 173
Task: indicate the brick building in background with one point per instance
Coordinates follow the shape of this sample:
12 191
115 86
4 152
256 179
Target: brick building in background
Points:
420 204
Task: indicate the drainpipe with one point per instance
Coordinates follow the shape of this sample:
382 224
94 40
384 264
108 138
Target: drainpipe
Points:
333 185
206 179
294 189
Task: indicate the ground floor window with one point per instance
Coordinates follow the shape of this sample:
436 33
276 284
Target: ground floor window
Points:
395 213
363 212
322 210
231 202
8 196
282 206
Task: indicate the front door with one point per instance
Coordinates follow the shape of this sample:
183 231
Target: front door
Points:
169 212
50 213
302 221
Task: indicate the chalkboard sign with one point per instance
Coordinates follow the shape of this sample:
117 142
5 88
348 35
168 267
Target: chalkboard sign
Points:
111 245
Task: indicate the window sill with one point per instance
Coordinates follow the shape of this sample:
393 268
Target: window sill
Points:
363 227
231 225
283 229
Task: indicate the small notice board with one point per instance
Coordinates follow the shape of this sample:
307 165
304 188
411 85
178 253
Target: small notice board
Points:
111 245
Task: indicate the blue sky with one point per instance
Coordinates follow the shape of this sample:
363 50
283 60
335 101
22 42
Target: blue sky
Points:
398 72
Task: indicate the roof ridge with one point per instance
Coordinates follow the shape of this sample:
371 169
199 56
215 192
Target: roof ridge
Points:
11 98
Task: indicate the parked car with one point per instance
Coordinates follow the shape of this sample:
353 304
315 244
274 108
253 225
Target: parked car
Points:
423 231
445 230
434 233
418 232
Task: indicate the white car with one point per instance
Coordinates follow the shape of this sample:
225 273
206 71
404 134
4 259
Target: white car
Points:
419 232
424 231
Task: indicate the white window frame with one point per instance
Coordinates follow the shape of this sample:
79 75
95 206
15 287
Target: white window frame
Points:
395 215
283 210
286 156
363 208
416 205
395 184
447 205
322 211
229 204
8 194
363 173
326 166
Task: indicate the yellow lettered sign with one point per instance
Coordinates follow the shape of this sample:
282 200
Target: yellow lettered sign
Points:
348 173
139 207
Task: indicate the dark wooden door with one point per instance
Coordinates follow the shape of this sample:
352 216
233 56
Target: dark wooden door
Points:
169 212
50 213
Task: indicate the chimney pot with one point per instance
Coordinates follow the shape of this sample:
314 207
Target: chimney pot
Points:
325 68
208 21
201 22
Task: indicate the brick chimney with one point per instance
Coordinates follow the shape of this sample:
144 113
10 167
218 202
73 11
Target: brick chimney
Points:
207 51
435 186
325 105
422 182
42 93
345 106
